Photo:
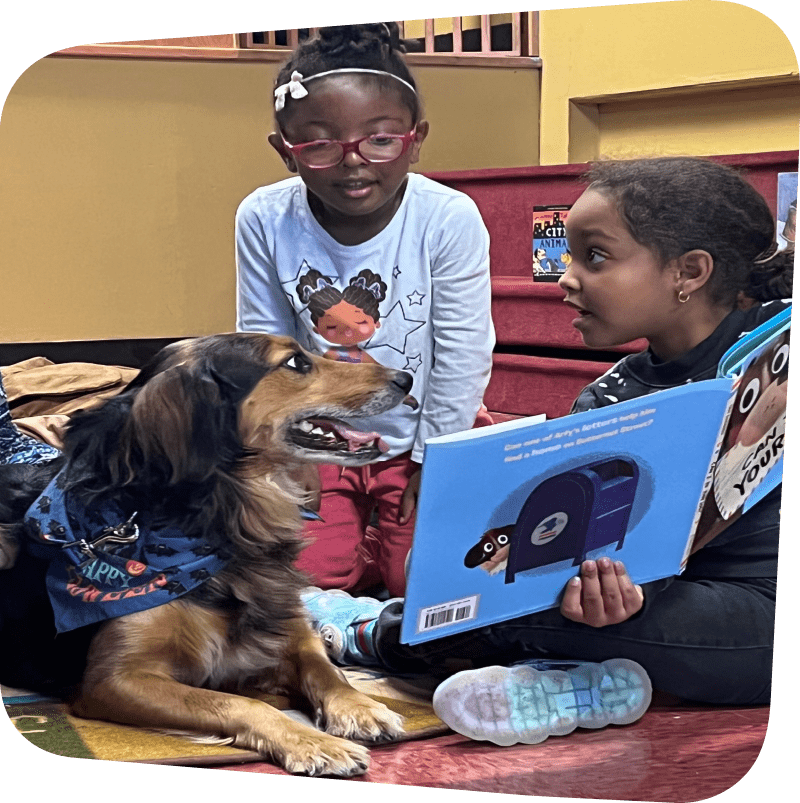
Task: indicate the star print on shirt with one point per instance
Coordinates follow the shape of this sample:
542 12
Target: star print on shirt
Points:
415 298
413 363
395 325
396 271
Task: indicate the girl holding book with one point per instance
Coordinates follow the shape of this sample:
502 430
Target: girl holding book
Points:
680 251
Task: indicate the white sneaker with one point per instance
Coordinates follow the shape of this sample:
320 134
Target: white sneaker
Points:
530 701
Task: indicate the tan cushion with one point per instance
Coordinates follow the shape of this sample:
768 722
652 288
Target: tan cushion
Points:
37 386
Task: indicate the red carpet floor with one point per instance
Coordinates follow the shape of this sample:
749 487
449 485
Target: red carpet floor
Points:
676 752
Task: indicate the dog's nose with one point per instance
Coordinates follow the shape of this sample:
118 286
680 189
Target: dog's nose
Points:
403 380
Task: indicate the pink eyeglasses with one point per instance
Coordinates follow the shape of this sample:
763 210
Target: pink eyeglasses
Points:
375 149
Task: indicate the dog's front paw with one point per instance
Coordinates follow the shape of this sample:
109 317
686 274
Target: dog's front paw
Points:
353 715
312 752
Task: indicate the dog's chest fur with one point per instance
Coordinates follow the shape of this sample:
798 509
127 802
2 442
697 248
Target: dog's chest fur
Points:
259 600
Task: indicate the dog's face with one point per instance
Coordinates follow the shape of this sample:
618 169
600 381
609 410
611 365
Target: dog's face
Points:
200 402
298 404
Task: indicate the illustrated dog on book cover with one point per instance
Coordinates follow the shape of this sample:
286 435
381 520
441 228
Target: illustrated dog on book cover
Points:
753 441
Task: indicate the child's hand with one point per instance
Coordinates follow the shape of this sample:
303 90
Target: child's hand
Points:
408 501
602 595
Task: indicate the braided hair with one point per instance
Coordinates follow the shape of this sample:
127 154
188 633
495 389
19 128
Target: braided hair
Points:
673 205
364 291
374 46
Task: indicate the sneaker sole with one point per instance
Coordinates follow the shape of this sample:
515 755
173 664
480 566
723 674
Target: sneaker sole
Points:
519 704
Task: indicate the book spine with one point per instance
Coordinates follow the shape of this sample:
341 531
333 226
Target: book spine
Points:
709 480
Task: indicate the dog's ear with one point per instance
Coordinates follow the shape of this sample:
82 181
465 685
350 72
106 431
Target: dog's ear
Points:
175 423
93 444
235 374
181 427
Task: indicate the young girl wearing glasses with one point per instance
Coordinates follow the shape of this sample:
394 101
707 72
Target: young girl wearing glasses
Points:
349 124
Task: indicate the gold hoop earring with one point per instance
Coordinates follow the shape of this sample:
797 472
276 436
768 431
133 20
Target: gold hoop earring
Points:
683 297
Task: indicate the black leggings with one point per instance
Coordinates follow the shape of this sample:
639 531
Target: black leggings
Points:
700 639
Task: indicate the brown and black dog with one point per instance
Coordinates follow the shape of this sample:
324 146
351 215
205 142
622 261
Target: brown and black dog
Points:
204 440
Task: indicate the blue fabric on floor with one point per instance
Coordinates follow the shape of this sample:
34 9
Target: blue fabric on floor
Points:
16 446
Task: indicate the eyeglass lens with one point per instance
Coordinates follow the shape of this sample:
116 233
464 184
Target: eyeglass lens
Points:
373 149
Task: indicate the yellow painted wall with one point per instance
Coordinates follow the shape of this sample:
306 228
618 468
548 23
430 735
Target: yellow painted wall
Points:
119 180
480 117
736 121
642 52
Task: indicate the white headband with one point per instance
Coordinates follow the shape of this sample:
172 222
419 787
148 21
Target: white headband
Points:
296 89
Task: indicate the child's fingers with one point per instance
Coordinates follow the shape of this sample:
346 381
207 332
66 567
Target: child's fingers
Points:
632 594
571 601
407 505
602 595
613 600
408 500
591 594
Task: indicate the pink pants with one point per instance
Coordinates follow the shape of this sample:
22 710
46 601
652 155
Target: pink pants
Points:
345 551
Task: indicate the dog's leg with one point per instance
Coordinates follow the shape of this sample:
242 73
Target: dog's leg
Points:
142 670
342 710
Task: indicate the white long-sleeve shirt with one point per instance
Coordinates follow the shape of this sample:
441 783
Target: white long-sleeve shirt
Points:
435 318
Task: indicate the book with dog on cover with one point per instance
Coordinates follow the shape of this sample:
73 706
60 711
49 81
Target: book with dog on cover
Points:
507 513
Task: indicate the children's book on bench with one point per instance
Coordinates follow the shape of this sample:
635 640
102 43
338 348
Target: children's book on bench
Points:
507 513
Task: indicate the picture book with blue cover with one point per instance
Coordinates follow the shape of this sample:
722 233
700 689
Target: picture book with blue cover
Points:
507 513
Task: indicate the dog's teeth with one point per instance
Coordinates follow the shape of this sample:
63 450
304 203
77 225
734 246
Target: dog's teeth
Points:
305 426
317 431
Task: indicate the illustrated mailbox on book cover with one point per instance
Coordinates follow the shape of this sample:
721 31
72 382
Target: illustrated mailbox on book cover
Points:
506 513
572 514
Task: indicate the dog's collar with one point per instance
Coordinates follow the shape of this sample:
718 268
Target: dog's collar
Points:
104 564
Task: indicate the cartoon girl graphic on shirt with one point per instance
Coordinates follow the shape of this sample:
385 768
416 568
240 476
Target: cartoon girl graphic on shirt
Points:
345 318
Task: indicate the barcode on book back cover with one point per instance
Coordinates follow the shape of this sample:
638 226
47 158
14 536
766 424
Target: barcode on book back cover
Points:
448 613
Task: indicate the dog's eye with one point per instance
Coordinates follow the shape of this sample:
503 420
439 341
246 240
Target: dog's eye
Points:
749 395
298 362
780 359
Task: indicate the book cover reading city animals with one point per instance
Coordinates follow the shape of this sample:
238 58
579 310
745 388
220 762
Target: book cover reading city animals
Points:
550 251
507 513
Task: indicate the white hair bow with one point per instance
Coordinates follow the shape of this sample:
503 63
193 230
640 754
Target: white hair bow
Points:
294 87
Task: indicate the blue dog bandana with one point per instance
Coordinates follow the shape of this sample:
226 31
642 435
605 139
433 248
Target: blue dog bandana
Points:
104 564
